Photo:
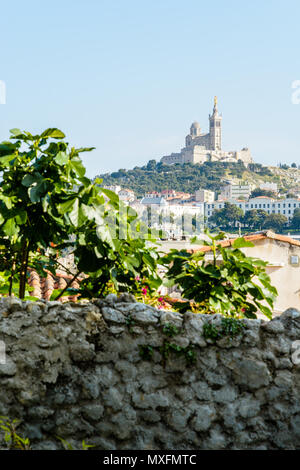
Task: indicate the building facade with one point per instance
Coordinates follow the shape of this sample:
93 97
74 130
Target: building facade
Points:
204 195
202 147
236 191
285 207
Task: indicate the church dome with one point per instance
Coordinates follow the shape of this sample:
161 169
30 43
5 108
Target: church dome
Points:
195 125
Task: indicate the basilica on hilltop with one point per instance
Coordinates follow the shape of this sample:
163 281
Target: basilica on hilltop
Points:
201 147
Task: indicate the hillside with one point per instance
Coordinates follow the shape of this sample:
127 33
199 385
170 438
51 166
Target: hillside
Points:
190 177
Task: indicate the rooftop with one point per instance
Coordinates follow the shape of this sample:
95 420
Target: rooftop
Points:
264 235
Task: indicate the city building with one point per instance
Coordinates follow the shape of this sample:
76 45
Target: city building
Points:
269 187
202 147
285 207
126 195
203 195
236 191
115 188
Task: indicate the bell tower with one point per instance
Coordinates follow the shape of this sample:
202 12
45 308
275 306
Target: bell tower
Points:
215 128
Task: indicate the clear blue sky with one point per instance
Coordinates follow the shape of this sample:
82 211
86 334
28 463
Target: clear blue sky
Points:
129 77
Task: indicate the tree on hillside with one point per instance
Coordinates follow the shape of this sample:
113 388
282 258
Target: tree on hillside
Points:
257 192
151 165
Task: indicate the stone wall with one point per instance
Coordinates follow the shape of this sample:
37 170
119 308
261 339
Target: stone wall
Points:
95 371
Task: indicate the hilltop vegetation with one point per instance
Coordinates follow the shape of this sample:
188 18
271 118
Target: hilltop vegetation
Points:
190 177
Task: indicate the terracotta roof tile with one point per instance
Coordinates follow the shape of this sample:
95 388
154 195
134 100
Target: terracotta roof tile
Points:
43 287
268 234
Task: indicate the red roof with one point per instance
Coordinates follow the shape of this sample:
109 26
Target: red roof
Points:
268 234
44 286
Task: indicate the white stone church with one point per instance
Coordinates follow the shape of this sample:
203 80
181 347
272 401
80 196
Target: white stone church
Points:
200 147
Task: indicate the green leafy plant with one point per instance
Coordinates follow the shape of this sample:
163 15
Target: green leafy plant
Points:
11 438
230 283
230 327
146 352
48 206
170 330
68 446
188 352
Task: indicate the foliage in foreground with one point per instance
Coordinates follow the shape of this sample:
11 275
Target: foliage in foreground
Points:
230 283
14 441
48 206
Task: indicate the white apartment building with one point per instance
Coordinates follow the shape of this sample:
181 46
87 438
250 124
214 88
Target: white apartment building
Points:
115 188
236 191
269 186
126 195
204 195
285 207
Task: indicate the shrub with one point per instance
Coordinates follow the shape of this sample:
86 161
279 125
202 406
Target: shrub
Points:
234 285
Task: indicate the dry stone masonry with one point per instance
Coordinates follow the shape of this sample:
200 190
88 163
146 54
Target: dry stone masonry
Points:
123 375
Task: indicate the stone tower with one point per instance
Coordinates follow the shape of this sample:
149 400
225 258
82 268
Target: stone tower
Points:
215 128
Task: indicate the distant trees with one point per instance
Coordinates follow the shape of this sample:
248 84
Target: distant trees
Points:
227 217
255 218
275 222
262 192
187 177
295 222
284 166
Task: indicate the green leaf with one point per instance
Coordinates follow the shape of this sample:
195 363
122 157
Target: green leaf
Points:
84 149
77 165
76 215
15 132
6 159
265 310
29 179
111 195
21 217
35 192
242 243
10 227
61 158
54 133
67 206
